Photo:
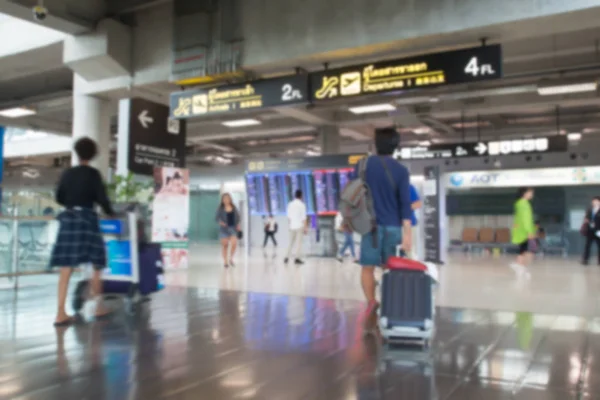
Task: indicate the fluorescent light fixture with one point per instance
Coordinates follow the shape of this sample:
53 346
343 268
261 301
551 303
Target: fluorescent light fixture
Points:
372 108
574 136
236 123
550 89
17 112
425 143
421 130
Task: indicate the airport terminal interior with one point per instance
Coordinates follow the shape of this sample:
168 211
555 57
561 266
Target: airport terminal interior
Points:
210 116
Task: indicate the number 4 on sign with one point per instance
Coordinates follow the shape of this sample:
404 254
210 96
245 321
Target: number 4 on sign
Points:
473 68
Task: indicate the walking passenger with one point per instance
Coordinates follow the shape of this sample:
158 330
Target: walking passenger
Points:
228 218
270 231
298 225
388 183
524 232
348 242
591 229
79 240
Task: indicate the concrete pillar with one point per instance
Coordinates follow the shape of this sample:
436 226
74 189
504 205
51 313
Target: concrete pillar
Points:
329 140
91 118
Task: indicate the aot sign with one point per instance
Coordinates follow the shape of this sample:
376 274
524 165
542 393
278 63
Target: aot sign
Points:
524 177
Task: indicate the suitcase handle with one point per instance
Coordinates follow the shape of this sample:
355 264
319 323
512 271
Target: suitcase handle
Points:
400 252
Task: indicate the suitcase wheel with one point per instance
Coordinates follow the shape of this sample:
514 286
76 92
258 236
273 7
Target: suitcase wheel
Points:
80 295
132 298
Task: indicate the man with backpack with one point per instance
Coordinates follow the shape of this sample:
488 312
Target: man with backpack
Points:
377 204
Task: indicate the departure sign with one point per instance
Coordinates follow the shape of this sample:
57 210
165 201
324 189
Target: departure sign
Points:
550 144
239 97
461 66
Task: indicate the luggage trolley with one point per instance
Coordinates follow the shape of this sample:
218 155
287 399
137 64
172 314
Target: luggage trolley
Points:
134 268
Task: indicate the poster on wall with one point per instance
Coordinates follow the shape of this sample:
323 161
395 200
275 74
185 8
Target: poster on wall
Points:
171 214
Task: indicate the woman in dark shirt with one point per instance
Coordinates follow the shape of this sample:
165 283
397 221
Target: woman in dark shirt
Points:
79 240
229 226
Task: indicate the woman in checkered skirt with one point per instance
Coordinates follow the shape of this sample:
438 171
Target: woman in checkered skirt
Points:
79 240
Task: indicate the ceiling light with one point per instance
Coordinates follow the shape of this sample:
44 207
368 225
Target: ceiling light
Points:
236 123
421 130
574 136
425 143
372 108
434 99
566 88
17 112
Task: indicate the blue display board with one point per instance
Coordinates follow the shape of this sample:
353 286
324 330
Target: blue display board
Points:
118 254
111 226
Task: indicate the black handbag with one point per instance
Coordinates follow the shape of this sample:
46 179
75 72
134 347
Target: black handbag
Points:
240 234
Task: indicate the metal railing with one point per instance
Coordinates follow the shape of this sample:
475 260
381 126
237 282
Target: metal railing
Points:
25 246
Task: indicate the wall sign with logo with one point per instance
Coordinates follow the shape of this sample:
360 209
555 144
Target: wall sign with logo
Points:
550 144
148 137
431 70
240 97
524 177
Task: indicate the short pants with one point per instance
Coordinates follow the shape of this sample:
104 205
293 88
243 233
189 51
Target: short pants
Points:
227 232
524 247
388 237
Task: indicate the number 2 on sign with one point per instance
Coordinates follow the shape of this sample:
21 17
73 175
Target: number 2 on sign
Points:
289 93
473 68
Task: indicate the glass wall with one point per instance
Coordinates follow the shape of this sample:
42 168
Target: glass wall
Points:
203 207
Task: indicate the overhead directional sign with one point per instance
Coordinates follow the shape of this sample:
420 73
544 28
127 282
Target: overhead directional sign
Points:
148 137
550 144
461 66
240 97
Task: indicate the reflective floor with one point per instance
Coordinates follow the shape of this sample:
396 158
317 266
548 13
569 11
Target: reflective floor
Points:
191 343
558 286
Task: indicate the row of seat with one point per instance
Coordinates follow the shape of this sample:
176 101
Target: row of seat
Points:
486 236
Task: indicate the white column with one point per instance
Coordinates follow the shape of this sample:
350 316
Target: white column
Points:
329 139
91 118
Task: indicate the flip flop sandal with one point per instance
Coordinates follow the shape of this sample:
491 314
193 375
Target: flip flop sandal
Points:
66 322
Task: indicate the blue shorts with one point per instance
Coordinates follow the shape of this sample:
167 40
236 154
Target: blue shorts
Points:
388 237
227 232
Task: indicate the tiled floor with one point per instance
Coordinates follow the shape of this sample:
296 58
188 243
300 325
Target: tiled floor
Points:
210 344
216 334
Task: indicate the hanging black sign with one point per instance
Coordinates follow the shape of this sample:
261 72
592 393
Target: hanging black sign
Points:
431 70
151 137
550 144
240 97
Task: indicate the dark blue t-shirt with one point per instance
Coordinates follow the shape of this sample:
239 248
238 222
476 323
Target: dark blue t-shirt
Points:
414 197
391 207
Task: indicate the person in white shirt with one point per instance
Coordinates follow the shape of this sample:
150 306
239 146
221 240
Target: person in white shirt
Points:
270 230
296 213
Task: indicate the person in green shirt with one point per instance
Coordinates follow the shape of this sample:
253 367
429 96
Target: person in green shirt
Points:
523 231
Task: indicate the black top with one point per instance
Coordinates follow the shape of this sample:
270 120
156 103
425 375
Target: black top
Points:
231 219
82 186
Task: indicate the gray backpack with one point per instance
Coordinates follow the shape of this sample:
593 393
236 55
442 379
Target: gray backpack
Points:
356 202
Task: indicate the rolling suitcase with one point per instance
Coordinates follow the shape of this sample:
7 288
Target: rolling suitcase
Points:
407 304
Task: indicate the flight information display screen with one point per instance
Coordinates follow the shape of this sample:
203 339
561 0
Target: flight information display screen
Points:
258 186
327 191
270 193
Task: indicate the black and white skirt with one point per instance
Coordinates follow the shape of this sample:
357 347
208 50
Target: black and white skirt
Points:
79 240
